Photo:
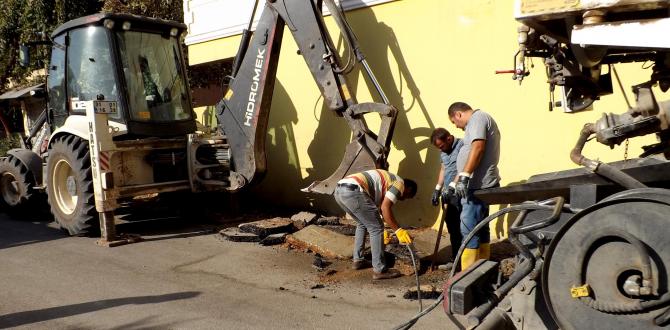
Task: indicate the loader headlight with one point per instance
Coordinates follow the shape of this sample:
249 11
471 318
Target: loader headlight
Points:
108 23
126 25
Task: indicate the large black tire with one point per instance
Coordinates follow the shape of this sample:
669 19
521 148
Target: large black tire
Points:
70 186
16 185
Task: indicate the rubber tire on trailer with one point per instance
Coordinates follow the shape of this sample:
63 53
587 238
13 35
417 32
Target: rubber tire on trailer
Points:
16 185
70 186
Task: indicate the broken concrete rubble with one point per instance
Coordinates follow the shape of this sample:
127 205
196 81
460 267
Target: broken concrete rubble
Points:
427 292
342 229
235 235
332 221
348 221
324 241
274 239
303 219
264 228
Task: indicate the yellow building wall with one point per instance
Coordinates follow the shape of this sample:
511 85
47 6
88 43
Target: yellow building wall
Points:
426 54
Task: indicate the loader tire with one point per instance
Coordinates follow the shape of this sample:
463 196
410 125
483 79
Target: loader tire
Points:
70 186
16 185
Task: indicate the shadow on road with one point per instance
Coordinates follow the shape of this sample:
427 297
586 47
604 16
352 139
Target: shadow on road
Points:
15 233
46 314
166 236
146 323
167 228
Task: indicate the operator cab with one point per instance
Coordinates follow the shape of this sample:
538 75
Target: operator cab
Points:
133 60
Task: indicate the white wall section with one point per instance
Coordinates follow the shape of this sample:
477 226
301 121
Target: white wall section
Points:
213 19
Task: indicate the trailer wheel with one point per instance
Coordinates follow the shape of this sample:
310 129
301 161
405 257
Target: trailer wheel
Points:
70 185
16 184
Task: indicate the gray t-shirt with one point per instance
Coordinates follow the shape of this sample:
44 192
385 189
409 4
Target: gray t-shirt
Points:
481 126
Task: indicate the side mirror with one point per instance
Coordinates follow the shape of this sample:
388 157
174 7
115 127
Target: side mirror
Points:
24 56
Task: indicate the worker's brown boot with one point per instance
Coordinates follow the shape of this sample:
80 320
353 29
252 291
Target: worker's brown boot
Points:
361 264
389 273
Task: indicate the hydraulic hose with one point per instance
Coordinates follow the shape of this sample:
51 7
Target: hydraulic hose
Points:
410 248
518 228
598 167
647 276
244 43
350 37
337 12
528 206
478 314
487 220
41 119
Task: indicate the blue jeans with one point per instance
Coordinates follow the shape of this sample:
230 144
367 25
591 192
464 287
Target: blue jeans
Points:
366 214
473 212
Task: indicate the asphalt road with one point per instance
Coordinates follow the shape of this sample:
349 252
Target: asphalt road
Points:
183 276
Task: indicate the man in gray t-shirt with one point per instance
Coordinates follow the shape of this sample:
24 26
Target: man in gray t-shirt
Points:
477 164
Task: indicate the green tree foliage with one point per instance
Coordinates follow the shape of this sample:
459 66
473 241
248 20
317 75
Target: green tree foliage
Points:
22 20
165 9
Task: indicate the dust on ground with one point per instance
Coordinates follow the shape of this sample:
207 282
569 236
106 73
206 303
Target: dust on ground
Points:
333 274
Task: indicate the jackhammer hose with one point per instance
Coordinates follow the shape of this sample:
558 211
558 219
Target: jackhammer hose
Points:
478 314
531 206
487 220
416 273
410 248
600 168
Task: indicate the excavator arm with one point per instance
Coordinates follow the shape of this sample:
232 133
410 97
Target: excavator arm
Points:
244 111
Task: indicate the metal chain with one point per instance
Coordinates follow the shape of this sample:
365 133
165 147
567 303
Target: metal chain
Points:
625 153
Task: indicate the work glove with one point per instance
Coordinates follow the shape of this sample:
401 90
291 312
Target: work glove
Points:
462 185
449 195
436 195
387 237
403 236
451 189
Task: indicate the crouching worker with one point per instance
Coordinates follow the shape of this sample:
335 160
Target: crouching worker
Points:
362 196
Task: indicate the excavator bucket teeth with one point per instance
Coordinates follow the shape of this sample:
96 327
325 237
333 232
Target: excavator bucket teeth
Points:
366 151
355 160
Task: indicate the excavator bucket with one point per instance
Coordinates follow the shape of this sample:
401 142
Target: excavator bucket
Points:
366 151
243 112
356 159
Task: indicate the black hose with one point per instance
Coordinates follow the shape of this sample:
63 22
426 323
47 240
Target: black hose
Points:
37 125
418 284
517 227
244 43
416 317
647 275
337 12
478 314
662 319
576 152
600 168
529 206
416 276
618 176
487 220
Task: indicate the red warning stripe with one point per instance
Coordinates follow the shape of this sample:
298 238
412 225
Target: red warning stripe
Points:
104 161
